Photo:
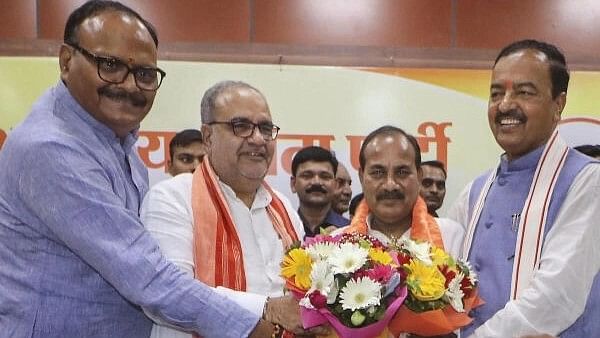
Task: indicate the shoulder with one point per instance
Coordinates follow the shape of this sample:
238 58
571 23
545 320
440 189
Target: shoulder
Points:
336 219
453 235
450 226
177 185
171 191
286 202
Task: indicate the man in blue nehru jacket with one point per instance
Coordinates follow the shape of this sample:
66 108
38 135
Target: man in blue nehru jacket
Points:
532 222
75 259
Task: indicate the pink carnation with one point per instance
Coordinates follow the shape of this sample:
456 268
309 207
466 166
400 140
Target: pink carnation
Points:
380 273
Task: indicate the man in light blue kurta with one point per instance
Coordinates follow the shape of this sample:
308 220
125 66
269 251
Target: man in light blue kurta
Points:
528 93
75 260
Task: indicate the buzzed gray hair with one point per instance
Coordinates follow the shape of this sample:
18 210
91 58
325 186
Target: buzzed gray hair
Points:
208 104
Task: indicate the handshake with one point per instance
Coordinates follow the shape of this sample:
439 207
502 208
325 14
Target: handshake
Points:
283 313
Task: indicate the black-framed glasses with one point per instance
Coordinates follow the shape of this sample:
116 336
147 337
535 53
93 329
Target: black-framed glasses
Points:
245 128
113 70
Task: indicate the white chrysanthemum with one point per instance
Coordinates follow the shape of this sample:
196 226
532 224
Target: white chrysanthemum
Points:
320 250
360 294
347 258
321 276
421 251
454 294
472 273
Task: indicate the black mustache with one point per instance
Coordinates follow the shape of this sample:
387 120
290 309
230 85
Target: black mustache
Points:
513 113
136 99
316 188
390 195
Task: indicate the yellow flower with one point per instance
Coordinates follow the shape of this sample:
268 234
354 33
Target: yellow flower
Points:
425 282
439 257
380 256
297 264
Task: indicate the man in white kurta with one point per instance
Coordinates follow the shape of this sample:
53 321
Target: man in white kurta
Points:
167 214
223 223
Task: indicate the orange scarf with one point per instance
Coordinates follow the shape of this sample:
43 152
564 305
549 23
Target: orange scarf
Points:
218 256
423 226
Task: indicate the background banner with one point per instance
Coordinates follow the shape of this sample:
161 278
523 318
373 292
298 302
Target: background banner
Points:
334 107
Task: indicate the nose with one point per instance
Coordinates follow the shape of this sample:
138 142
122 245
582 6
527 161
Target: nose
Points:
507 102
196 162
256 137
390 182
129 84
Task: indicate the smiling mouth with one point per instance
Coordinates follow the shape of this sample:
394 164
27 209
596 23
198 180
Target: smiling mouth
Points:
257 155
510 121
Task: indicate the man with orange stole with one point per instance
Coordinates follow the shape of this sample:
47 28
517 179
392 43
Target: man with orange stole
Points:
223 224
390 175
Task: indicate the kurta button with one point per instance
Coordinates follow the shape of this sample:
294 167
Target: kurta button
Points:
477 267
501 181
488 224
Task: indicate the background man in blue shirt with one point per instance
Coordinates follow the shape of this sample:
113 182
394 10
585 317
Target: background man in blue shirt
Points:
313 180
76 260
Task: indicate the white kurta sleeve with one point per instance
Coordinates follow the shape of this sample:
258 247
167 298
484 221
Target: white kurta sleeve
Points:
570 260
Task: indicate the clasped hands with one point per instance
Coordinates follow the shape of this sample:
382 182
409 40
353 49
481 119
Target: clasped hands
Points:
285 311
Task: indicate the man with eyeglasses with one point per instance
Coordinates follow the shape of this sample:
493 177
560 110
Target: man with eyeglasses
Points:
224 224
75 258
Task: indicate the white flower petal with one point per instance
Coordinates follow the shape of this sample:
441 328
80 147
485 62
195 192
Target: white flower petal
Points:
321 276
454 294
360 294
421 251
320 250
347 258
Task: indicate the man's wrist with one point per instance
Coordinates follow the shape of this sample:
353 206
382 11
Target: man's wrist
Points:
266 310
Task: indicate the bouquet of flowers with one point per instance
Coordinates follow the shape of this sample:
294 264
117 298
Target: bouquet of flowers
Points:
352 281
441 290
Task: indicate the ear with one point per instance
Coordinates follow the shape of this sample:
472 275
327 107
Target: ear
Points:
206 136
64 60
169 166
292 184
561 102
360 176
420 178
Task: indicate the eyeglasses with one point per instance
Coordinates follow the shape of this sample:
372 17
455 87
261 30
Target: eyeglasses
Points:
245 129
113 70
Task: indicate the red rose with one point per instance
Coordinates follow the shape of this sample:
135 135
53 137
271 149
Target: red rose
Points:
317 299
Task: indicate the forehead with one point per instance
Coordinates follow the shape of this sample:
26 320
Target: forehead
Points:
241 102
432 172
389 150
192 147
133 44
521 67
342 172
315 166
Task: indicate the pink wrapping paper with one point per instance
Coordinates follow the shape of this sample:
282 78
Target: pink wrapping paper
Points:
314 317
